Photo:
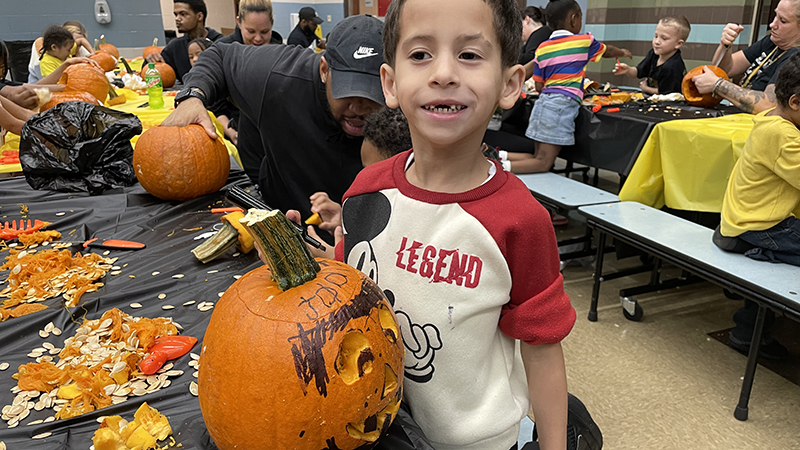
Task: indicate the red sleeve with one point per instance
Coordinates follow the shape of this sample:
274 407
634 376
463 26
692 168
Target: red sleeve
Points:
539 311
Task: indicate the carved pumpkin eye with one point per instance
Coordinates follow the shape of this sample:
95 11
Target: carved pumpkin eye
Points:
388 323
355 357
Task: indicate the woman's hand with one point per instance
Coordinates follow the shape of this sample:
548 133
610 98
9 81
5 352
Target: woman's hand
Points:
705 81
730 33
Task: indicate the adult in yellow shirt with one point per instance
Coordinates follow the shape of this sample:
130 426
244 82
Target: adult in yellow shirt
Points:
763 191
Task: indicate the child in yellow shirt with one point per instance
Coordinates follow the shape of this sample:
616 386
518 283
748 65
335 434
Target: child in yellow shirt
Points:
56 47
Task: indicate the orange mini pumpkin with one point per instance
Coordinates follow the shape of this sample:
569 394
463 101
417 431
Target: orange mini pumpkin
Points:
151 49
180 163
105 60
62 97
85 78
166 71
690 92
299 354
108 48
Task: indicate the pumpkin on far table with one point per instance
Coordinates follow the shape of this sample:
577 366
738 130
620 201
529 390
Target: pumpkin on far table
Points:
85 78
300 354
74 96
166 71
180 163
108 48
105 60
690 92
149 50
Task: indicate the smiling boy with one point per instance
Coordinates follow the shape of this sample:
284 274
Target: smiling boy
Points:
662 69
462 250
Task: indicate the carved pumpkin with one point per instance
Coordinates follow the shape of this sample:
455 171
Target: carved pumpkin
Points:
166 71
151 49
85 78
180 163
61 97
106 61
108 48
296 359
690 92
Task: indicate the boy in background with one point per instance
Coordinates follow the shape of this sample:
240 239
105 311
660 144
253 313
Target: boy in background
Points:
558 72
465 254
763 197
662 69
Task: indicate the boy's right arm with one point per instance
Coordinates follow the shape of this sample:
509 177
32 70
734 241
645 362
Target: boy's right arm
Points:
624 69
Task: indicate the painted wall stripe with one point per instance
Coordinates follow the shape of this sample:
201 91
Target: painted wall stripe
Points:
701 33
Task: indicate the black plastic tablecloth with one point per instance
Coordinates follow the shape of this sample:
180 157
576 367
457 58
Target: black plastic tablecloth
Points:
132 214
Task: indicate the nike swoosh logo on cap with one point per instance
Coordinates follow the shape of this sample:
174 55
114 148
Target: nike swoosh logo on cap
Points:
364 52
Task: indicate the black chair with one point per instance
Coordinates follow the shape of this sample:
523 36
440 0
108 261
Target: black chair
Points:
19 55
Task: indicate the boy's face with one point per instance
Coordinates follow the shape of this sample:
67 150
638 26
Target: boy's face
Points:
62 52
666 40
448 77
194 53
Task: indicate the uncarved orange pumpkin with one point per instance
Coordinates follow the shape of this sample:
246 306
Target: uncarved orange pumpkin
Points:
105 60
180 163
149 50
108 48
85 78
317 366
690 92
61 97
166 71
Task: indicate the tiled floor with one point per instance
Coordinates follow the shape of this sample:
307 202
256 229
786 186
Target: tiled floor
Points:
662 383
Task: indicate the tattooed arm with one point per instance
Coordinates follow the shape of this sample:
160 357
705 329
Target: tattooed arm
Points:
748 100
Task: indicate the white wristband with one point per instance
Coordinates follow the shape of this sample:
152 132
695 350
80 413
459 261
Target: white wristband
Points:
503 155
506 165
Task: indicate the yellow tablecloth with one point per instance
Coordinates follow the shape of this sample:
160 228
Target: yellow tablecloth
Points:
685 164
148 117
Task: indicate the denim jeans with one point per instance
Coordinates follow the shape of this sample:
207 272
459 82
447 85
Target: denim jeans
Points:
780 243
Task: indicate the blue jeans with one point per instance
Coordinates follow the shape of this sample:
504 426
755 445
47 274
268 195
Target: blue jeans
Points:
780 243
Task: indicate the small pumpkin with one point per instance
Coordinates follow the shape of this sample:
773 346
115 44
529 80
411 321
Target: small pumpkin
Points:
694 97
299 354
106 61
149 50
85 78
180 163
108 48
166 71
73 96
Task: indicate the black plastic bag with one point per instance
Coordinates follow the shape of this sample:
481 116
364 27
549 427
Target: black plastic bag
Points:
79 147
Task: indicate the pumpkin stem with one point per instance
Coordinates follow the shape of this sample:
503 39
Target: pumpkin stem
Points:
155 42
103 38
282 247
215 246
96 45
127 67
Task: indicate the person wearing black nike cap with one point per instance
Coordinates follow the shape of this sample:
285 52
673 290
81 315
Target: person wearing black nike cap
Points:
309 107
304 33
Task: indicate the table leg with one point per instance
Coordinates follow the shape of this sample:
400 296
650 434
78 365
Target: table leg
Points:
598 274
752 360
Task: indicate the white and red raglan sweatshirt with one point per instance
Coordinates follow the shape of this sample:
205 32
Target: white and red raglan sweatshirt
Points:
468 274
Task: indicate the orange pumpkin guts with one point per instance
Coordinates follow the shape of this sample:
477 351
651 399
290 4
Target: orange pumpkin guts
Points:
166 71
690 92
62 97
299 354
85 78
180 163
106 61
108 48
152 49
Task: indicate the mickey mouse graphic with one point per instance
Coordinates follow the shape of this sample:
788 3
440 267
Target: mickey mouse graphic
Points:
370 213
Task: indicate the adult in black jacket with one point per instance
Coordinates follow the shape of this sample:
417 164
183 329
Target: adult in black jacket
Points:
534 32
309 107
253 27
190 19
304 33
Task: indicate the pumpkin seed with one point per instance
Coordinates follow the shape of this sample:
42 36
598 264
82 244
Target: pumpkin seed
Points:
189 303
35 422
105 253
4 366
43 435
136 305
167 307
213 271
43 334
196 374
57 331
115 268
220 294
106 323
48 346
115 272
178 275
59 214
192 389
236 254
237 276
174 373
2 445
162 296
194 356
155 273
49 419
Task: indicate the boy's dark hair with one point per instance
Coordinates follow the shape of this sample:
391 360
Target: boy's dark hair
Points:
535 13
680 23
557 12
54 35
4 56
203 43
388 131
198 6
788 82
507 24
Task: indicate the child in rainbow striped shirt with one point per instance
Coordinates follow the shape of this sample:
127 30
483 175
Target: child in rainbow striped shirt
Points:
558 71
